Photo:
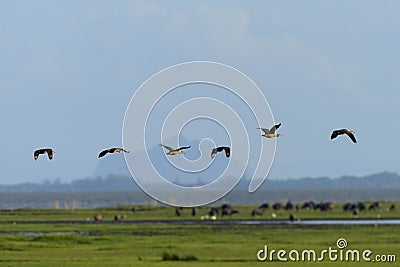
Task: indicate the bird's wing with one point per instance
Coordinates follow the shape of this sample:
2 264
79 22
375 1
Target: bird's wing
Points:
227 151
265 130
184 147
274 128
36 154
168 147
213 153
352 137
103 153
335 133
126 151
50 153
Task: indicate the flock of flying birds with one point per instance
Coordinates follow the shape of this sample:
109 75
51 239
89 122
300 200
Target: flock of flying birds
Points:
268 133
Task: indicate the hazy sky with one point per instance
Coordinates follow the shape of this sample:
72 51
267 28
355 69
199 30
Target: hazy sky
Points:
69 68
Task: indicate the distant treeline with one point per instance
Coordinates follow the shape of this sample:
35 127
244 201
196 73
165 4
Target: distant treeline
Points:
384 180
109 183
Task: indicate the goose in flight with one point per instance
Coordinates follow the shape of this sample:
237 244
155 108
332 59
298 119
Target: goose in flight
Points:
349 133
112 150
173 151
270 133
219 149
47 151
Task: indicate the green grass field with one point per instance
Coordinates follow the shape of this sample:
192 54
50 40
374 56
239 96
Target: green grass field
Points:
25 243
168 213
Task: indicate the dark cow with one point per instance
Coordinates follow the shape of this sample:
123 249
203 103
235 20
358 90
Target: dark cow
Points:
227 209
374 206
257 212
289 206
308 205
226 206
213 212
361 206
327 206
347 206
353 206
324 206
277 206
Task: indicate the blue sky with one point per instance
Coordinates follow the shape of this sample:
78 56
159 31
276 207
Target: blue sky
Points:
69 68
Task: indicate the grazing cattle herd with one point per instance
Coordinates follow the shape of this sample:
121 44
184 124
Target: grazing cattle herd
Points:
295 210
